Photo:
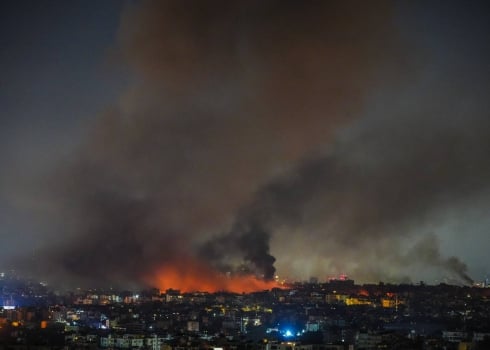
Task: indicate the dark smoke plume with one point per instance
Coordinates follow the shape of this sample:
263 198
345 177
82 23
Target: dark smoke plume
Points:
248 241
226 96
426 252
371 195
261 119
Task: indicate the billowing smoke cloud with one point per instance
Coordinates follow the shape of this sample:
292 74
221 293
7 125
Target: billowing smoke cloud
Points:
426 251
226 96
368 200
250 121
247 240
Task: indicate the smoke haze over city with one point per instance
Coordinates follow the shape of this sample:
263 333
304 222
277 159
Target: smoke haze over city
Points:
217 145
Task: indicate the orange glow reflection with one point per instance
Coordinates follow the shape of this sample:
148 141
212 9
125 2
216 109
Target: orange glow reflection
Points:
191 276
363 293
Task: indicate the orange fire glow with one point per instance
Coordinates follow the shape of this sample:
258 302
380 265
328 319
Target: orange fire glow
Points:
191 276
363 293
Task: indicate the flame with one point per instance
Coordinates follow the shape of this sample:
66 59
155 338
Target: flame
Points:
363 292
193 276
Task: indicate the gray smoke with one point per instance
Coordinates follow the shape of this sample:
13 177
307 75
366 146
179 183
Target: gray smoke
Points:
375 190
426 252
226 96
307 130
249 241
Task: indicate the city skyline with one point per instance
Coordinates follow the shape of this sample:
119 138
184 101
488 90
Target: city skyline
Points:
150 141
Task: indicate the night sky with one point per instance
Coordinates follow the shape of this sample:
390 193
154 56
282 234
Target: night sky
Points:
264 138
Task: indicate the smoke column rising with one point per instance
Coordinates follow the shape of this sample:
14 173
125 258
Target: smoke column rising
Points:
246 122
